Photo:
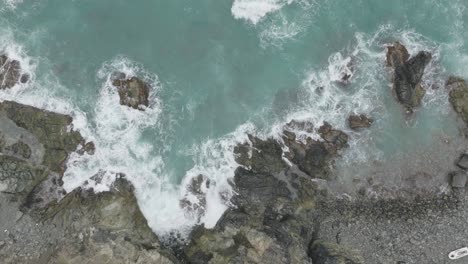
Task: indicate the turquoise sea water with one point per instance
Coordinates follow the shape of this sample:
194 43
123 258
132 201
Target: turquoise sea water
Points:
220 69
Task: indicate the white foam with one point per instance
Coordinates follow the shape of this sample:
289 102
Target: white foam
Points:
255 10
10 4
214 159
116 133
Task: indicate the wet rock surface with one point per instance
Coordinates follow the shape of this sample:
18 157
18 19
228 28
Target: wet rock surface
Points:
408 72
10 72
272 217
357 122
133 92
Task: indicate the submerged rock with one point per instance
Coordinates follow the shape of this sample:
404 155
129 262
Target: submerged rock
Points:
10 72
458 96
356 122
133 92
408 73
195 201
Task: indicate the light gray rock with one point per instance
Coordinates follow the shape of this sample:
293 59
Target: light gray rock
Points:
459 179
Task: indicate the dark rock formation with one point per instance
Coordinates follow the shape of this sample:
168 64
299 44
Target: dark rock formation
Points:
272 220
10 72
133 92
196 190
357 122
408 73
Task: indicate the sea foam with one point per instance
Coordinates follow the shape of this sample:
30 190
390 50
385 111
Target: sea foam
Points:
254 10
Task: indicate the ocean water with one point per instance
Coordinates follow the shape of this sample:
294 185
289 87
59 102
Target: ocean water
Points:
222 69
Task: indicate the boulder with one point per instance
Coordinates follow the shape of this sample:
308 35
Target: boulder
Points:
463 161
458 179
357 122
408 73
10 72
133 92
458 96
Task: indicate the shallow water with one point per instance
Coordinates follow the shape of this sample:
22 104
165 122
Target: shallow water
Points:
220 69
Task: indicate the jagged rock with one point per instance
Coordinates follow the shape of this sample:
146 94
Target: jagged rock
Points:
356 122
88 148
195 200
272 217
458 96
133 92
300 126
10 72
458 179
408 73
263 156
329 253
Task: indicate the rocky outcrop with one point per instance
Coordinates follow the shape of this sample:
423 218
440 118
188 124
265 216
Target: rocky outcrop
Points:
458 96
133 92
272 220
10 72
357 122
408 73
106 227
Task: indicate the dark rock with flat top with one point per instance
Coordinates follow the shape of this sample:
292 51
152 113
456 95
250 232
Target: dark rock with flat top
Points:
133 92
458 179
357 122
408 73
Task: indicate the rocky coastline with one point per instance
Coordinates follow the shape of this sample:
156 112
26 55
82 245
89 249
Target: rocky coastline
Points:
281 213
